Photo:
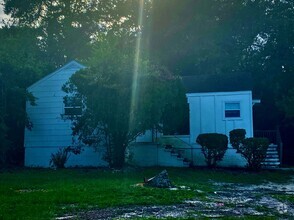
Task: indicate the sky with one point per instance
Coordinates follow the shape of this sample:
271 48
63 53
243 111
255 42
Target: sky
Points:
2 15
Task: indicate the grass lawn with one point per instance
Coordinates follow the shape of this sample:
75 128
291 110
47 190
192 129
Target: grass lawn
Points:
45 193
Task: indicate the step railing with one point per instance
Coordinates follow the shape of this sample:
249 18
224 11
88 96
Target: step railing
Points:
274 137
177 147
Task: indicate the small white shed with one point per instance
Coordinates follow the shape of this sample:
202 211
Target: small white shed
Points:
50 130
220 112
217 104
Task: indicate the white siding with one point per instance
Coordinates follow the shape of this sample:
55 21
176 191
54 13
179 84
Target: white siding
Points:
146 137
40 157
207 109
207 113
147 155
50 131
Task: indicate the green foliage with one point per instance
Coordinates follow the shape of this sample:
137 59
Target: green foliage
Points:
188 37
67 28
21 63
59 158
202 37
236 137
122 101
271 61
4 143
213 147
209 37
252 149
46 194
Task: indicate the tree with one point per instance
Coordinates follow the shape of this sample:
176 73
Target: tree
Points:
202 37
42 35
21 64
223 36
271 59
120 100
67 28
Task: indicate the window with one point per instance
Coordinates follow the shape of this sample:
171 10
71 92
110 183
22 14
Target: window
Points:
72 106
232 110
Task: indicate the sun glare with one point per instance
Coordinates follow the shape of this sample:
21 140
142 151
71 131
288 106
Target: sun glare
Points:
136 67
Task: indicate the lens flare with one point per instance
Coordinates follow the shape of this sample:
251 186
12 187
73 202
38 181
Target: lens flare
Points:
134 98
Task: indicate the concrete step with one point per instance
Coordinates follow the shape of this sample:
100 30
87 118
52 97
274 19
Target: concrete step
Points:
272 152
271 163
271 159
270 167
272 156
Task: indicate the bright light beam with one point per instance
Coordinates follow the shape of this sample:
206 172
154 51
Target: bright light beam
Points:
134 98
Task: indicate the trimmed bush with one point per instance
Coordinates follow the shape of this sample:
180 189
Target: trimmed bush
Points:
236 138
213 147
252 149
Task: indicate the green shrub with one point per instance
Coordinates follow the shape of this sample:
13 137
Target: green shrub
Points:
252 149
236 137
59 158
213 147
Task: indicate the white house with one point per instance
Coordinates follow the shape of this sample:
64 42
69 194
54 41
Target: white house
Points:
214 108
50 130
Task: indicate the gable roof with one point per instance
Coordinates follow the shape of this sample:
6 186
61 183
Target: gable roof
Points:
231 82
68 65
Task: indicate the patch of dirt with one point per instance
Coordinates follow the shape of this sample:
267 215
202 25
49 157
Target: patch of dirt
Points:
237 200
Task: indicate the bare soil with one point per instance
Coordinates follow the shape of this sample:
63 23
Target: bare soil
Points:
234 200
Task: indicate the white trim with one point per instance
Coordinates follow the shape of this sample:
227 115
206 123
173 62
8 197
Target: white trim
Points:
71 107
217 93
224 110
251 115
71 63
256 101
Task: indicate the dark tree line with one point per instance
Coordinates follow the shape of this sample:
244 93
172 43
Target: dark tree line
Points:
227 36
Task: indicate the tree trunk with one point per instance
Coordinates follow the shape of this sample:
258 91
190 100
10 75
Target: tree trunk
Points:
118 156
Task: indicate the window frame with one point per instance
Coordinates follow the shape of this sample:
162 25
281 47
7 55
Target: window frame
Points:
74 106
224 110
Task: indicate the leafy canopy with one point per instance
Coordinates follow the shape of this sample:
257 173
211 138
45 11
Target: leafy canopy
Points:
121 103
21 64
